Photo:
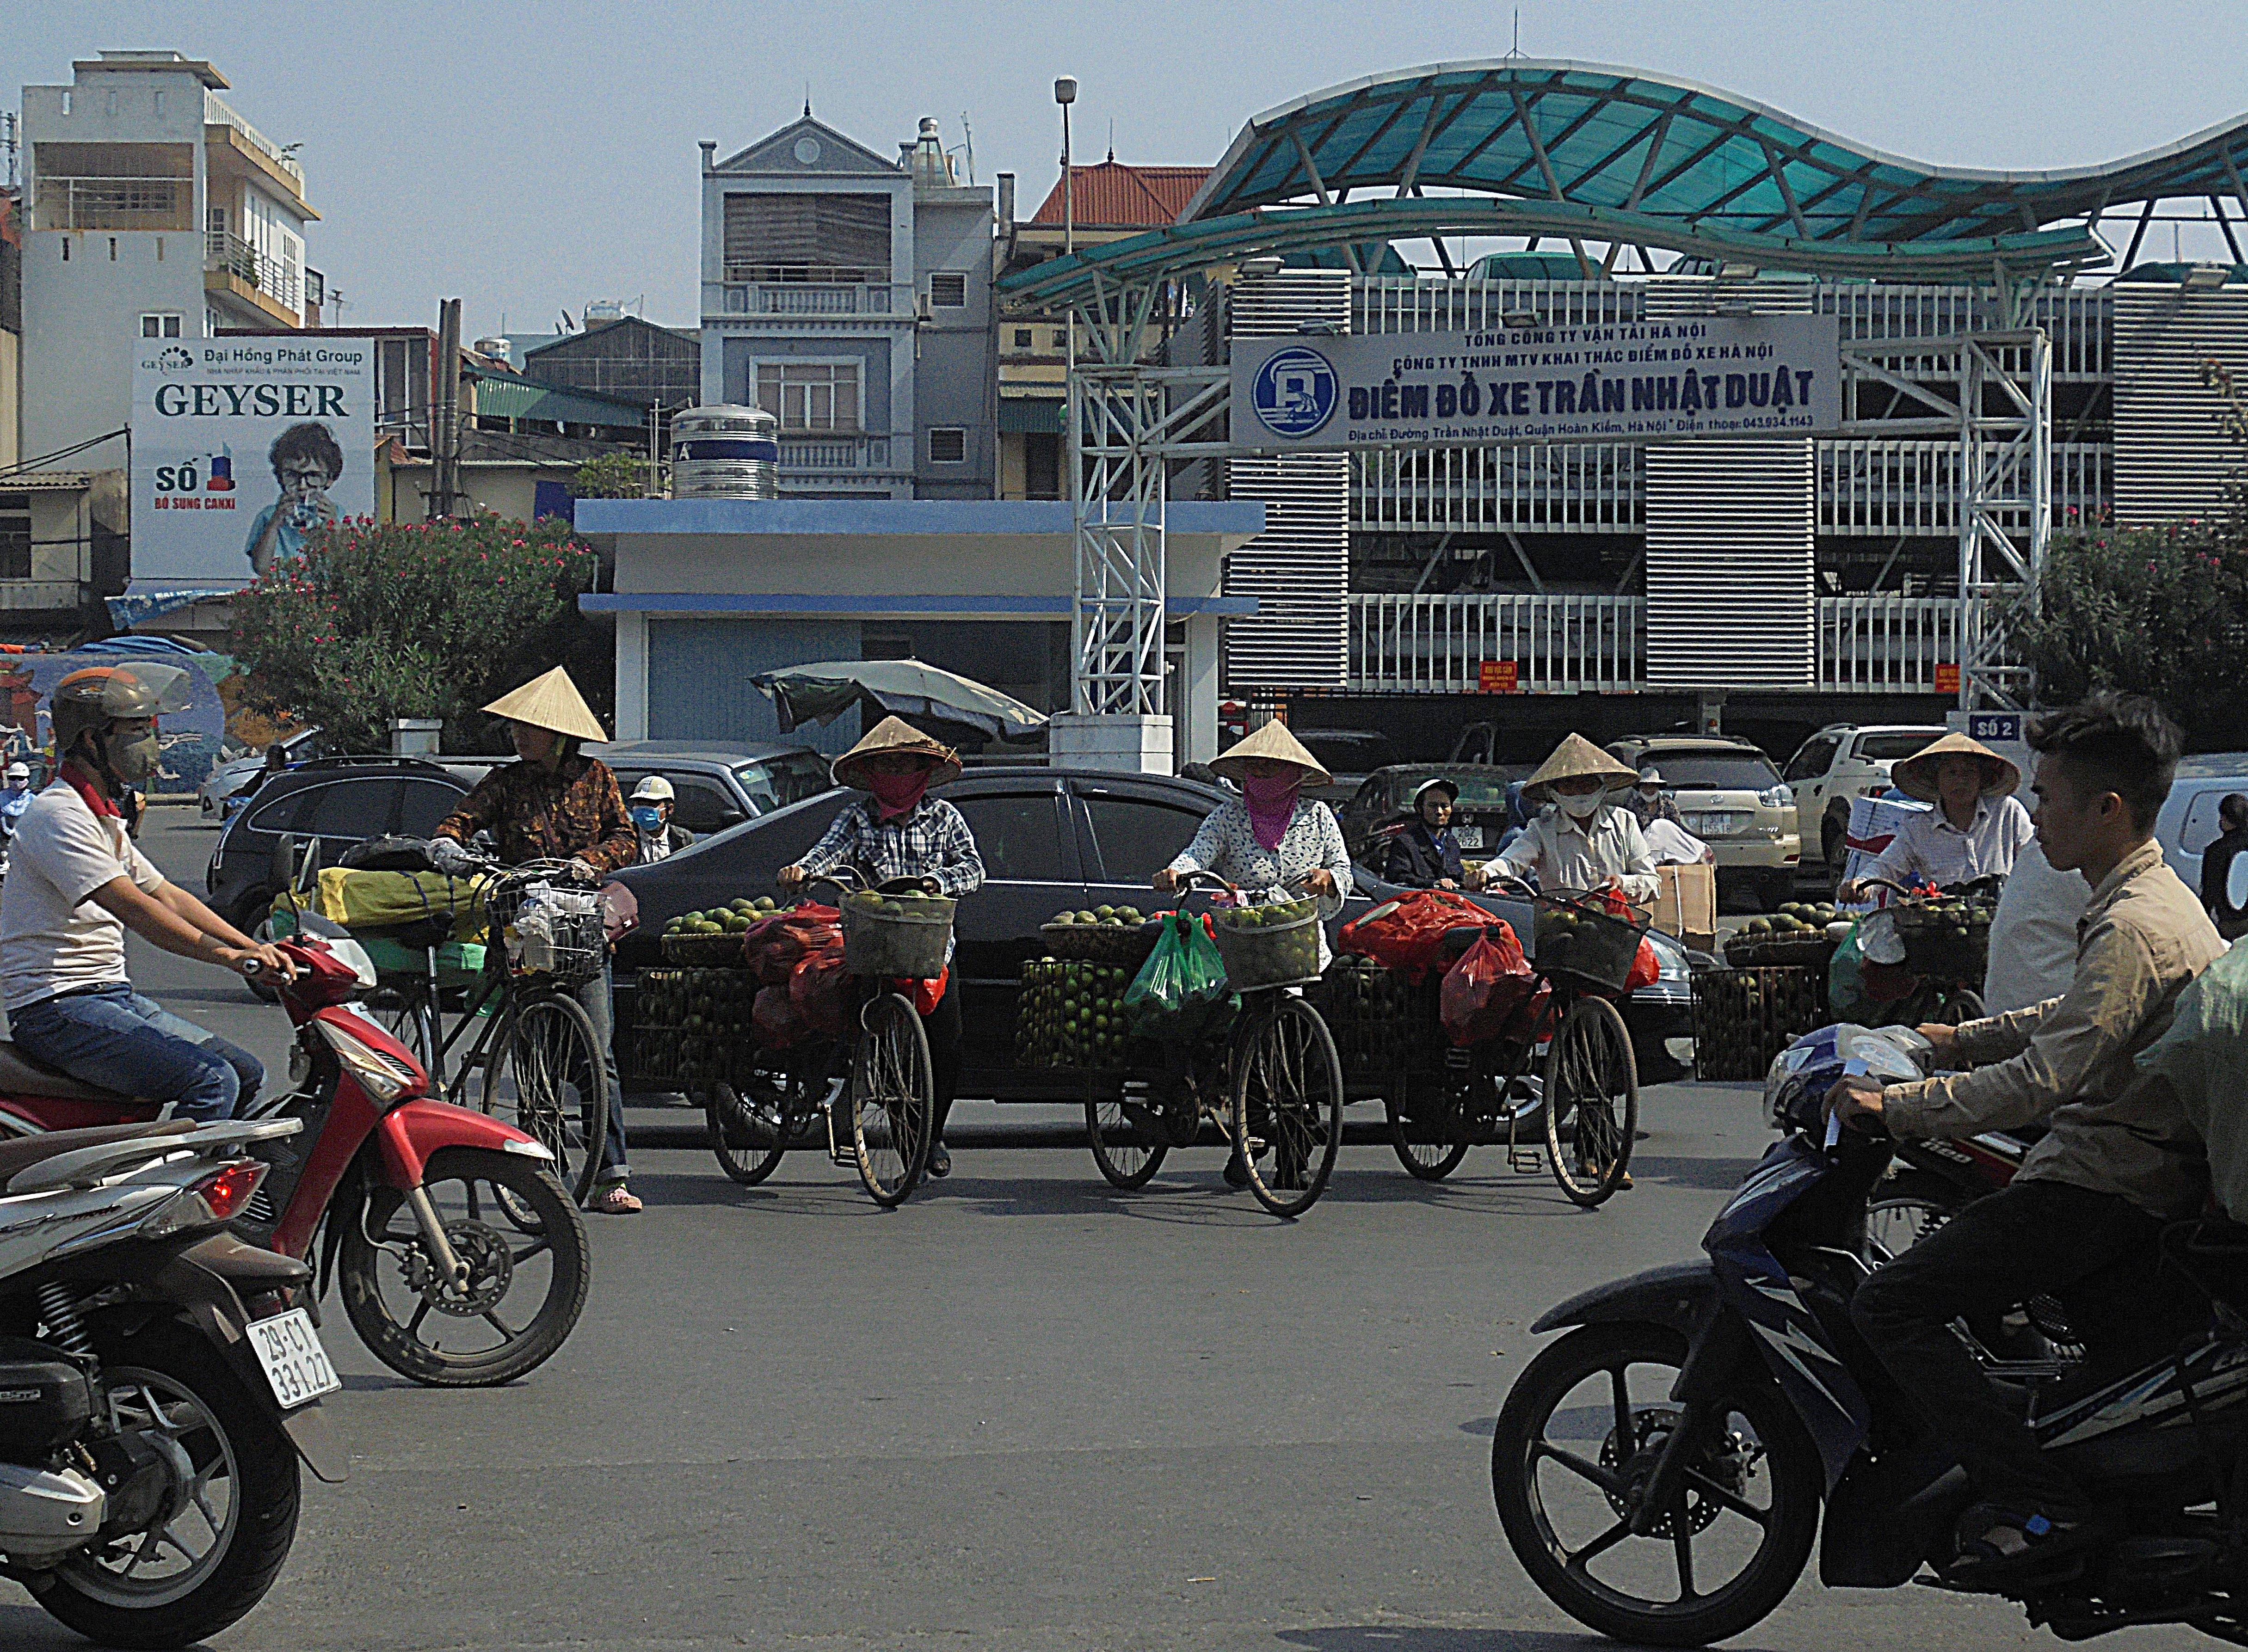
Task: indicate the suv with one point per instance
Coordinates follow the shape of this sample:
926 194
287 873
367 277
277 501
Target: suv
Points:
1843 762
720 783
1730 797
338 801
1349 755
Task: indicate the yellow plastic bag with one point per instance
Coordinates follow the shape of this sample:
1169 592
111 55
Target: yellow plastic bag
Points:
365 900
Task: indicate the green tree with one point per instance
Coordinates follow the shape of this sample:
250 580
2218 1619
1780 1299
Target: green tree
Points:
419 621
611 475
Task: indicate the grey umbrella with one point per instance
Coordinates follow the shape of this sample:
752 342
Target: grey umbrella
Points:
823 691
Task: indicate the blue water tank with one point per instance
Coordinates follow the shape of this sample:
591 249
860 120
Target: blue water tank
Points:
725 452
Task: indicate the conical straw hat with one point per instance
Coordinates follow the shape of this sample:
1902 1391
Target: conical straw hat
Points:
1576 756
896 735
1916 776
551 701
1272 741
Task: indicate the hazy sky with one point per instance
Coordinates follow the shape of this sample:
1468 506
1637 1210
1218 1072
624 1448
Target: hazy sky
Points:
530 157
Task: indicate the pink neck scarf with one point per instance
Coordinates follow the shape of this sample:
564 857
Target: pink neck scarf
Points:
897 794
1271 804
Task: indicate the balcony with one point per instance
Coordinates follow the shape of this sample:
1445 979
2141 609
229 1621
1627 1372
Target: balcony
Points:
64 202
763 290
232 265
1562 642
803 451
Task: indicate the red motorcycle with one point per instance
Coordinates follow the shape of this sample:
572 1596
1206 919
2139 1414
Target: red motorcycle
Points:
463 1261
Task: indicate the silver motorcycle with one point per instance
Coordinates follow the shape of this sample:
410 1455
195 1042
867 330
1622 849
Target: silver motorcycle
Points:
159 1380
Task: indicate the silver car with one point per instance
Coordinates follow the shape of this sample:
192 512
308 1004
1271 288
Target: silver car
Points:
238 777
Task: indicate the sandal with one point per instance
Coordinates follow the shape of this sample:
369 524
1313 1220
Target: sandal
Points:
1999 1546
614 1200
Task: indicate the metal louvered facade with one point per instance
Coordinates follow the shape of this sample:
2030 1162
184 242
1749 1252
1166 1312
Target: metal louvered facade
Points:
1299 568
1731 541
2172 459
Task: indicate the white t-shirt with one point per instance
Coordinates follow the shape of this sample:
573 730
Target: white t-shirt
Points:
2033 934
51 938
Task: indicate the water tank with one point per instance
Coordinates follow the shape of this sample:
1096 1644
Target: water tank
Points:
495 348
725 453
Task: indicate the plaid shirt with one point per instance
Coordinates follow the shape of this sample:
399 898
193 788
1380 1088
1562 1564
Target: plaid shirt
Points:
932 841
571 812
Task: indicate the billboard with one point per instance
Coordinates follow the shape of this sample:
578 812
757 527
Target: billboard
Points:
1649 380
242 448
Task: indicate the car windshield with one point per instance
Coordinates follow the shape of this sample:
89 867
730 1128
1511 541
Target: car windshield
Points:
1891 747
777 782
1713 772
1476 791
1349 753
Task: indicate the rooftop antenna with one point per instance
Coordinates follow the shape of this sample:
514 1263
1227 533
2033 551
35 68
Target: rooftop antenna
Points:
807 99
8 142
1517 50
1112 140
968 135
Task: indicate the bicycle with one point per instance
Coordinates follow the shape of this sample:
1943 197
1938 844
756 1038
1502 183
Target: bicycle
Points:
888 1100
1590 1085
1948 972
534 1046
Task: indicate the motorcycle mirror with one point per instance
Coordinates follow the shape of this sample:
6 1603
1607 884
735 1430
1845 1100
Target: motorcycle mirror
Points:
2236 884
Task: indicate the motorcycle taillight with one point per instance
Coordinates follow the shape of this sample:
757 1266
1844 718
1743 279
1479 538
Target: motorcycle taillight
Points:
229 1189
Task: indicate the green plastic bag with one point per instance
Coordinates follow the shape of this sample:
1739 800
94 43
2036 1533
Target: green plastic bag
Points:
1179 995
1845 985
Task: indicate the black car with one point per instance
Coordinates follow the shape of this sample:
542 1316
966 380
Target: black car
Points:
1051 840
1383 806
1349 755
719 784
339 801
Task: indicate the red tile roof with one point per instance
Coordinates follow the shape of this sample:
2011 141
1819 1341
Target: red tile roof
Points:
1114 195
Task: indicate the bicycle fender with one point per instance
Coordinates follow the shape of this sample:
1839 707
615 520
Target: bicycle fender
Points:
1682 1295
411 1133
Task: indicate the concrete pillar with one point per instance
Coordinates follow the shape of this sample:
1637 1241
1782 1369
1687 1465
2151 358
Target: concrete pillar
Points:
632 676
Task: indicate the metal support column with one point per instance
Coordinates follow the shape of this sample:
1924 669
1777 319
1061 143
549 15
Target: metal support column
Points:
2005 439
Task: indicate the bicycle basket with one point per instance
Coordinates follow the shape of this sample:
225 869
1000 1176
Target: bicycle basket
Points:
557 933
1583 943
1946 940
1268 946
900 937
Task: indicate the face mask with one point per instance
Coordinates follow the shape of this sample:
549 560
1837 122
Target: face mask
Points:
1582 807
132 761
648 817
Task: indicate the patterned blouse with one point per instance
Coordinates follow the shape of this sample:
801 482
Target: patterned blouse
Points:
931 841
1228 845
574 811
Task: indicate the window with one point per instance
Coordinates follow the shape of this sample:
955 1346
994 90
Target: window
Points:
1022 338
349 808
1137 839
423 803
160 326
112 249
948 289
778 782
841 238
66 247
1712 772
947 444
1892 748
15 536
109 103
160 106
1018 837
1061 338
701 807
160 248
815 396
1816 757
2202 826
67 102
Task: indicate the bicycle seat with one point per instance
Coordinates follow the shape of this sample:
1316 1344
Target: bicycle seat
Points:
26 1151
21 1075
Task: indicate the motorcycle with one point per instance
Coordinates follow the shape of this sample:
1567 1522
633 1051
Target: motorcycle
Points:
431 1218
158 1383
1682 1438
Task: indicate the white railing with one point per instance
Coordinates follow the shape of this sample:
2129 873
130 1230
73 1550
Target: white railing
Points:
218 113
804 452
282 283
66 202
1880 488
1886 644
1561 489
1555 640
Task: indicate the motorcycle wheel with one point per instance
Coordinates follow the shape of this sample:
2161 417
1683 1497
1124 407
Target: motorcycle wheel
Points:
1908 1207
221 1552
1583 1425
504 1216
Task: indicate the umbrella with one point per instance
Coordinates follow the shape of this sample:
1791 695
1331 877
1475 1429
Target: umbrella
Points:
908 689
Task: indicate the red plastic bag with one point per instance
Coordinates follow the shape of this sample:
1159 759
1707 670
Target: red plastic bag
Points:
925 994
1484 991
773 947
776 1020
1645 968
820 992
1405 933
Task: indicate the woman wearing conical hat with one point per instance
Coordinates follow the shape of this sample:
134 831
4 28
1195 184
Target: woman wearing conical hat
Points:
898 830
556 803
1584 842
1978 828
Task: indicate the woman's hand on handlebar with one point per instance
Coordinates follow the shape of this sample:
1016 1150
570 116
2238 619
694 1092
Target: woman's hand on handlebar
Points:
1165 879
1321 882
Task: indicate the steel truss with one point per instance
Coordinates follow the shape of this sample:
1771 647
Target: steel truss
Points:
1131 424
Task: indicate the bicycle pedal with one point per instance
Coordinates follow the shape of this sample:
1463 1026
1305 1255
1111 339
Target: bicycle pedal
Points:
1528 1161
839 1152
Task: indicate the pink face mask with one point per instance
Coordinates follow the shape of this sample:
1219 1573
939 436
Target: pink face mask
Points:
896 794
1272 801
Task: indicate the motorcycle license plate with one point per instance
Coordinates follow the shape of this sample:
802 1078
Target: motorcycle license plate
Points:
1468 837
296 1365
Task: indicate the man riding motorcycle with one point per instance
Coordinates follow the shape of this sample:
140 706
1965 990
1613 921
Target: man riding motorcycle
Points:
2081 1219
77 881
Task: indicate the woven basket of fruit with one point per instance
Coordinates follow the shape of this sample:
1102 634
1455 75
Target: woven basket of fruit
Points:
712 939
906 935
1797 933
1104 935
1268 946
1595 946
1947 939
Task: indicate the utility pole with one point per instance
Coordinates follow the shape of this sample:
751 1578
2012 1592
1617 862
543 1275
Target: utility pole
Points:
445 422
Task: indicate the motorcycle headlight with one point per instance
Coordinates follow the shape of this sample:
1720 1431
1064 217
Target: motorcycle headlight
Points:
384 1077
353 956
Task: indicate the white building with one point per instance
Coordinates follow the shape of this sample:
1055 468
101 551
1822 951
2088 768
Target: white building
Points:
155 211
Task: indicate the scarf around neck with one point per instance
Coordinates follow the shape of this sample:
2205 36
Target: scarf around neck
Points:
1272 801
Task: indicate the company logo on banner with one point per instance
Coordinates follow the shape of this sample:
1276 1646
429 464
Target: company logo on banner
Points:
243 449
1656 381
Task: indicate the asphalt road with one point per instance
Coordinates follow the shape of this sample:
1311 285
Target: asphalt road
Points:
1023 1413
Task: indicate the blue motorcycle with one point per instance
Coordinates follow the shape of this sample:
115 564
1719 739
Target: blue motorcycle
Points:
1660 1470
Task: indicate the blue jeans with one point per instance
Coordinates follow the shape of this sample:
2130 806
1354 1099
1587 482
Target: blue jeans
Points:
598 998
114 1037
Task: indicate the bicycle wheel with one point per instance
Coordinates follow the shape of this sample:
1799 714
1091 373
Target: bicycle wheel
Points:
1429 1134
1592 1079
1962 1006
544 1077
1129 1142
1287 1097
747 1130
893 1093
412 1022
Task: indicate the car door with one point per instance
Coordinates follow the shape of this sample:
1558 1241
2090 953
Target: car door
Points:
1030 872
1806 774
1131 832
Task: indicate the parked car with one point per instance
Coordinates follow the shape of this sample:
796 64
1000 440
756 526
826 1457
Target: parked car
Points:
1051 838
1478 742
243 774
1842 762
1349 755
1382 806
339 801
2187 822
720 783
1730 796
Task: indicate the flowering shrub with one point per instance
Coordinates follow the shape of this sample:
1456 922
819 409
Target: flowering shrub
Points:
419 621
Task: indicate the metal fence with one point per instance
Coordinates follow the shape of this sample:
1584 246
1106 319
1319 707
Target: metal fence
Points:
282 283
1887 644
65 203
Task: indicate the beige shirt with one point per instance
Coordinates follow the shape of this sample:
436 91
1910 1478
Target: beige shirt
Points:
2068 1061
1566 855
